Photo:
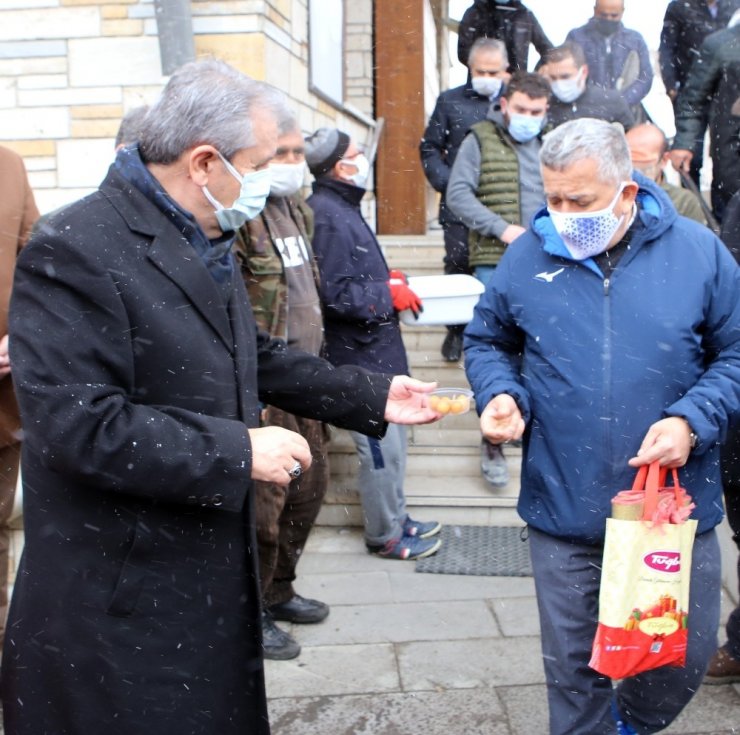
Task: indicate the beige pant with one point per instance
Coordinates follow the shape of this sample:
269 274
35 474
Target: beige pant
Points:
9 463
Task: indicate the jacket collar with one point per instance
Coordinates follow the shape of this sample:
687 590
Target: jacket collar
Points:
349 192
169 250
216 253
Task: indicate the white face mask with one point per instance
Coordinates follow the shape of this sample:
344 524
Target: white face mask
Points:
255 187
587 234
286 178
362 165
567 90
487 86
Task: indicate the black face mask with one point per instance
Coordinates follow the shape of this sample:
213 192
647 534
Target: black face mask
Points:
605 26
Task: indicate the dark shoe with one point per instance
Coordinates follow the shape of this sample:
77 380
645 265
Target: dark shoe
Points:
278 644
493 464
452 346
407 548
420 529
299 610
623 727
723 669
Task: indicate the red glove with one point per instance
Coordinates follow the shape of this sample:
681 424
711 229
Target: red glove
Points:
403 297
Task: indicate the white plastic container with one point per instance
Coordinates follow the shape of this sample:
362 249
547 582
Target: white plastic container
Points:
448 299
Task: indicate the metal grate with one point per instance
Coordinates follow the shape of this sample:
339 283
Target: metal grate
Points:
494 551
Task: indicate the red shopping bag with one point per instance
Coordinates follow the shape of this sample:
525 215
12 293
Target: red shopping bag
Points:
644 594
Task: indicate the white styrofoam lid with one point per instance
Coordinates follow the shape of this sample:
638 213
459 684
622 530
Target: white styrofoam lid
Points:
454 284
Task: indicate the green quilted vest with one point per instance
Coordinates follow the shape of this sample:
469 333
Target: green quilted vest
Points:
498 189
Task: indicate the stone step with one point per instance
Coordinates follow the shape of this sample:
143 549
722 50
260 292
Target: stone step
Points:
415 255
428 460
443 479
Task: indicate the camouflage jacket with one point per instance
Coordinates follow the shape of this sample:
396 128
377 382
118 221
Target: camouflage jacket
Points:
262 265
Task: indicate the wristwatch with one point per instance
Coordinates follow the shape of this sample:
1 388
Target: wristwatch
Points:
693 437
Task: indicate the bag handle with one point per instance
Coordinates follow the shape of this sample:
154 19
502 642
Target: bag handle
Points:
650 478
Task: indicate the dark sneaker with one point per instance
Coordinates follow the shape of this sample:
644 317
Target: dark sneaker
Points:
278 644
452 346
623 727
407 548
723 669
299 610
493 464
420 529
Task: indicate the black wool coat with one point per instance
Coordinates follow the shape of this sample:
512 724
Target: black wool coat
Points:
136 606
455 112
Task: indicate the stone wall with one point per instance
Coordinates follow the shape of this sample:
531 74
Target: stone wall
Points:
69 70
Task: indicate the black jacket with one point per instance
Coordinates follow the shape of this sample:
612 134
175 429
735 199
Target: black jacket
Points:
456 110
512 22
136 605
730 235
604 104
685 25
714 83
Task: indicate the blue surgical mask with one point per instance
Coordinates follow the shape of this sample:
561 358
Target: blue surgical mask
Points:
255 188
525 127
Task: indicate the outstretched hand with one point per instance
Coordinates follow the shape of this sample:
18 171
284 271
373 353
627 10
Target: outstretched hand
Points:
408 402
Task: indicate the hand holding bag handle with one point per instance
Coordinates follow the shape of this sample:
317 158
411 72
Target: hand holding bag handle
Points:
651 478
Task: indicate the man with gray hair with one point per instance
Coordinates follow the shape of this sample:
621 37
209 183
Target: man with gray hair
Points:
455 112
130 128
139 373
609 338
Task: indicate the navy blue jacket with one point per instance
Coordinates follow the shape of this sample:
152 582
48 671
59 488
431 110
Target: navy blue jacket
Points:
592 362
456 111
360 323
607 56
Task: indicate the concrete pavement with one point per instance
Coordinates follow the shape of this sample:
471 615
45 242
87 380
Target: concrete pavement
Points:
403 652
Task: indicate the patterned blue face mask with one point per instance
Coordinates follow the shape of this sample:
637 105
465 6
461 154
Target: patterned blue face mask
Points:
587 234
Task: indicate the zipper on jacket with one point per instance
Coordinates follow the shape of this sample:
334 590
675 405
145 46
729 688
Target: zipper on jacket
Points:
606 356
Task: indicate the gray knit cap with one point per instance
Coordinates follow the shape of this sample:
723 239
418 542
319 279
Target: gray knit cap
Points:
324 148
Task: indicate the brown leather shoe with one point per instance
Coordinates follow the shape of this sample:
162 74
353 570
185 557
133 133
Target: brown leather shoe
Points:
723 669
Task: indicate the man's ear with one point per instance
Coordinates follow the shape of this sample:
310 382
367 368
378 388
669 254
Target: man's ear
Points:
335 172
202 161
585 71
629 193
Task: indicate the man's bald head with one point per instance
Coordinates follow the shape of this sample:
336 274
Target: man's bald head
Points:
609 9
648 148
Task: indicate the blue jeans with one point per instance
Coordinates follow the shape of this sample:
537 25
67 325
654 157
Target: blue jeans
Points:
382 472
567 577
